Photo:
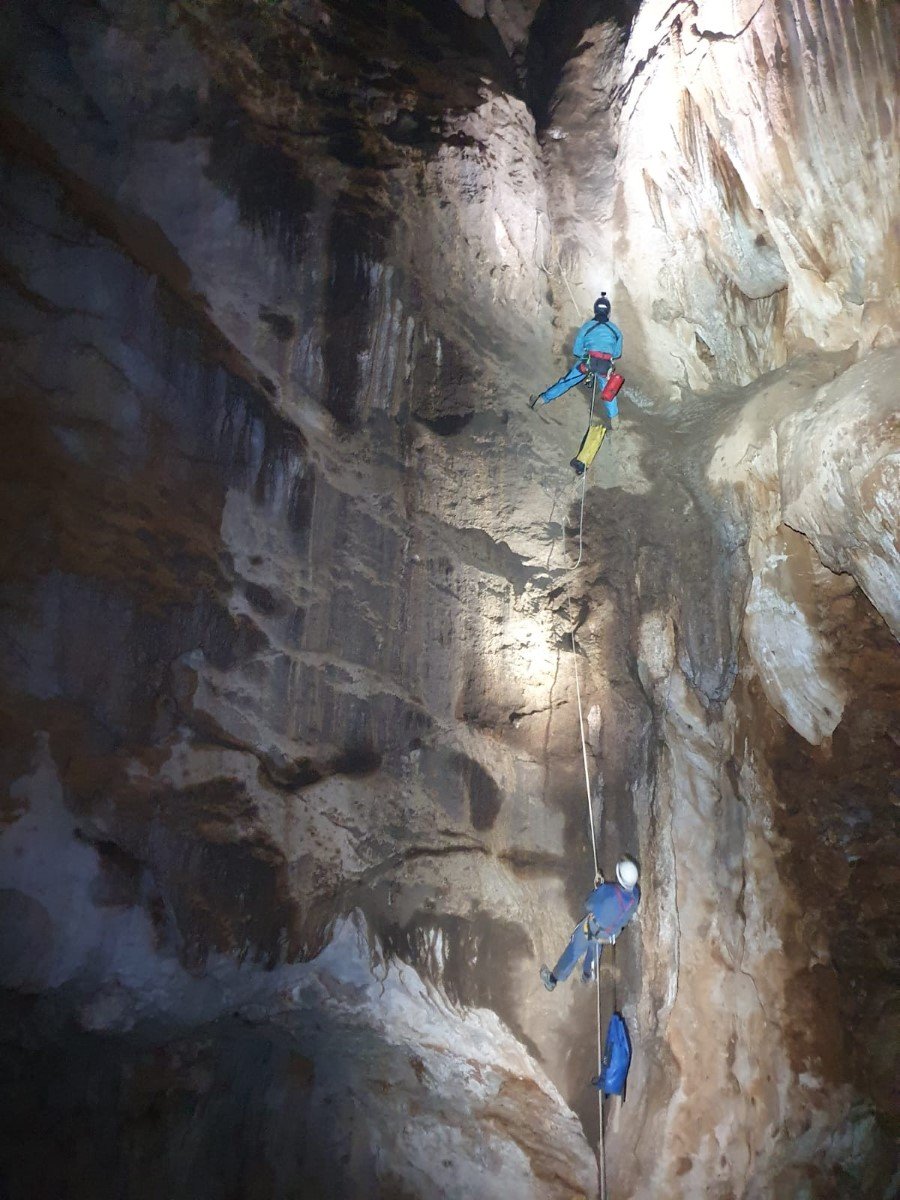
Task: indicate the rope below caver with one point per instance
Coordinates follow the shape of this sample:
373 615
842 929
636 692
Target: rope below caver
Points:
584 757
601 1155
601 1148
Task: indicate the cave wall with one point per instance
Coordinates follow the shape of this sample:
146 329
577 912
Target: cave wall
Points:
769 821
258 637
738 709
292 789
727 172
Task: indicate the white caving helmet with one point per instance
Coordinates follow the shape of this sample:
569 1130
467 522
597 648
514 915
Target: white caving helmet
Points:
627 873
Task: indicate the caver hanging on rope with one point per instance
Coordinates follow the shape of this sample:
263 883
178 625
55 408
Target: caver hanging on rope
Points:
608 909
597 345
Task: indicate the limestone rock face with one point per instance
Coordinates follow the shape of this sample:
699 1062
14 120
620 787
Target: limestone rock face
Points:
829 472
295 587
273 650
750 152
847 503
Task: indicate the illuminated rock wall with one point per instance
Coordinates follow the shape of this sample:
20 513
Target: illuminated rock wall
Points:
766 946
277 549
729 176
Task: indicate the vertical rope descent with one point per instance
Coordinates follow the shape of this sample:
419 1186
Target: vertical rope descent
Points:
584 757
601 1147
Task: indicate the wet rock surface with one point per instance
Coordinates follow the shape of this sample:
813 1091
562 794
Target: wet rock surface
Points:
292 790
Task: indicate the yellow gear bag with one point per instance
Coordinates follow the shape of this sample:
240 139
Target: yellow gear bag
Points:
590 444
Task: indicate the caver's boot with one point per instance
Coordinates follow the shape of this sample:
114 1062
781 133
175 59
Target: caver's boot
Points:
547 979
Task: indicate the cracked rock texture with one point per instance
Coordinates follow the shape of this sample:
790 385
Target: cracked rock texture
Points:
291 787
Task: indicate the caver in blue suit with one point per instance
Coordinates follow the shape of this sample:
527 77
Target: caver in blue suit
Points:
597 343
608 909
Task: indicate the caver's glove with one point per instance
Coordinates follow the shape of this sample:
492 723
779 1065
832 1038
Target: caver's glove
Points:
598 879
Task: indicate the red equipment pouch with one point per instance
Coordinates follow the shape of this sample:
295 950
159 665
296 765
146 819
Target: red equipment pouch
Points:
612 387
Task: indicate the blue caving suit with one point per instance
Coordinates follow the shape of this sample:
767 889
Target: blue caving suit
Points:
597 337
609 908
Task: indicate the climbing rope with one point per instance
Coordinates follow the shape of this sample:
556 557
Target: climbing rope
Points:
542 266
601 1148
584 757
565 280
